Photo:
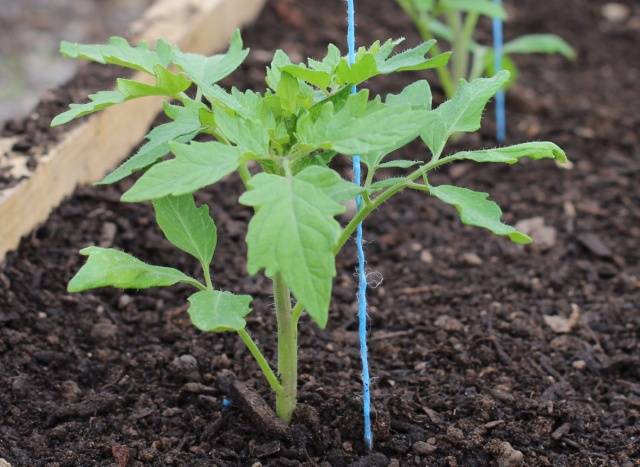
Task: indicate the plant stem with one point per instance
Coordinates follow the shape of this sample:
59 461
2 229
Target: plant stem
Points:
272 379
362 214
421 22
469 26
297 312
207 277
287 350
244 173
459 53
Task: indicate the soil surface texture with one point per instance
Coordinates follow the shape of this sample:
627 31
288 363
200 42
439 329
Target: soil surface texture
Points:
482 352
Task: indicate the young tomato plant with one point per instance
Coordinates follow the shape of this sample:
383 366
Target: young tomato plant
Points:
455 21
281 142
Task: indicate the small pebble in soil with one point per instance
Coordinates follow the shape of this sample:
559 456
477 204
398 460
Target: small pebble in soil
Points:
579 364
185 366
148 455
424 448
455 434
615 12
104 330
448 323
471 259
70 391
560 324
120 454
595 244
426 257
505 454
108 234
124 300
544 237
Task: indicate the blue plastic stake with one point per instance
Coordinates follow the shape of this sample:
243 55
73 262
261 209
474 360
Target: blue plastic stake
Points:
362 274
498 41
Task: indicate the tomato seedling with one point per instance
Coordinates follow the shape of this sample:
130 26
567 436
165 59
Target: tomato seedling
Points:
282 143
455 21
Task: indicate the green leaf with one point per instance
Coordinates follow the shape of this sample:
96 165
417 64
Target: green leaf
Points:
289 93
98 101
329 181
358 72
247 104
335 71
320 79
424 6
279 61
462 113
507 64
293 232
167 84
216 311
476 209
540 43
377 61
118 52
107 267
372 159
329 62
183 129
250 134
482 7
513 154
417 95
188 227
204 71
195 166
414 59
360 127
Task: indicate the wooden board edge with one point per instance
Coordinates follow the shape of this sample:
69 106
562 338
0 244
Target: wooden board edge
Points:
88 151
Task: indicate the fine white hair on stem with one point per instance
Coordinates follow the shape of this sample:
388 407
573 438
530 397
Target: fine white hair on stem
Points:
374 278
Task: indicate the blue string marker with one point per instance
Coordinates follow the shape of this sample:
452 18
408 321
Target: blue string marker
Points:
362 275
501 119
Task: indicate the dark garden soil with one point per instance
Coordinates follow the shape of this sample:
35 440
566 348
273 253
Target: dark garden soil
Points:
462 356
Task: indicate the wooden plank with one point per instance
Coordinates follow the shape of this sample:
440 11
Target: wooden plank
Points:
88 151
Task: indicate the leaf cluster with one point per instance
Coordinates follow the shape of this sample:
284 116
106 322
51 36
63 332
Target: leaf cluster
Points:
282 142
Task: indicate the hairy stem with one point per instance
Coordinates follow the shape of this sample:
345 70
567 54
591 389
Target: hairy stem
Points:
407 182
287 350
272 379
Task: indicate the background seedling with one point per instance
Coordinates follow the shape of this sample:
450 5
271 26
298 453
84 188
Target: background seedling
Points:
455 21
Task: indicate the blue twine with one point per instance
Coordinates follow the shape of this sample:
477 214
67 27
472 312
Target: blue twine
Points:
226 403
362 275
501 119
